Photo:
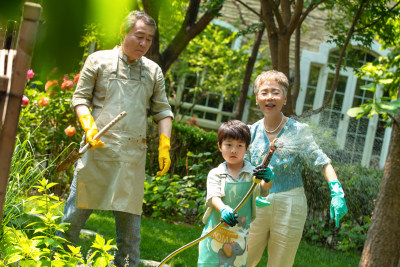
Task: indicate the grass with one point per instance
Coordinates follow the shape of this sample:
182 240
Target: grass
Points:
160 238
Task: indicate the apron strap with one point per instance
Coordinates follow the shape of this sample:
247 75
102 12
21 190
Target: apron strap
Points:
114 69
115 66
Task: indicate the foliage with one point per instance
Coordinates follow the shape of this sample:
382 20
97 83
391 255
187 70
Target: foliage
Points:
37 243
361 186
172 13
45 120
194 152
385 76
91 39
216 67
25 171
190 146
173 198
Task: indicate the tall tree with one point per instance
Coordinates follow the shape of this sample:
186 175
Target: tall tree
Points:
382 246
189 28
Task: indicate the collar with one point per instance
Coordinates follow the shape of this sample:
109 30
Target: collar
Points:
223 170
124 58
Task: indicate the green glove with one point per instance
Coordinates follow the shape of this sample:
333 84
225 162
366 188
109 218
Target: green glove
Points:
264 173
228 216
262 202
338 204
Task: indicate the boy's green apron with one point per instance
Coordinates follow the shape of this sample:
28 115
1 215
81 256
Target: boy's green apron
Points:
227 246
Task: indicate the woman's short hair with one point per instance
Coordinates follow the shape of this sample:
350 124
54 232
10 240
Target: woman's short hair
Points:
130 20
234 129
272 75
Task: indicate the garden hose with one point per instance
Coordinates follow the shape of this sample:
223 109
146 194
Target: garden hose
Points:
267 159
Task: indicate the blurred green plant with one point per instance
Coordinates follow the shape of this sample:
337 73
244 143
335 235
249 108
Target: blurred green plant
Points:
37 244
25 171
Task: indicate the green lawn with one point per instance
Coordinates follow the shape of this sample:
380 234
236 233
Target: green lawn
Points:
159 239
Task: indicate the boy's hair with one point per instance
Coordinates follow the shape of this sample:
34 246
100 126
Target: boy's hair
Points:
130 21
272 75
234 129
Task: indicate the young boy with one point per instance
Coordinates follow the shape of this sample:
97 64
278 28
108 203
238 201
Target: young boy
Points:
226 186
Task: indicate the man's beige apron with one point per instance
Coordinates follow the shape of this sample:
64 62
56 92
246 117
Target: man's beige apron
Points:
112 177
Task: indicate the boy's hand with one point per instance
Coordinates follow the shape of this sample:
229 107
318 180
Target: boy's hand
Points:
264 173
228 216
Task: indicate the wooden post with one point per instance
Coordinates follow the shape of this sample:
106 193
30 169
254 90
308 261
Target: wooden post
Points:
22 60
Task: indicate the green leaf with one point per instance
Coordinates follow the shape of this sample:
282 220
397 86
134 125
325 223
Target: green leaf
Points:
368 87
353 112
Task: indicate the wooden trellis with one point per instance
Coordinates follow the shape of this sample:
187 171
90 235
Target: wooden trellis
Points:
14 64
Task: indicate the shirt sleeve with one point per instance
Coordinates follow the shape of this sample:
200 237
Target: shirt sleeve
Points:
84 89
159 106
314 157
214 187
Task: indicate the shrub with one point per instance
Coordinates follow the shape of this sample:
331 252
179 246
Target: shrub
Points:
45 119
361 186
37 244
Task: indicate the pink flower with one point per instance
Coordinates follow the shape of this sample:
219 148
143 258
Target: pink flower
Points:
29 74
67 84
76 79
44 101
25 101
70 130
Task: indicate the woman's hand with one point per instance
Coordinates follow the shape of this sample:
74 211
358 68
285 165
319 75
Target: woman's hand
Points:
338 204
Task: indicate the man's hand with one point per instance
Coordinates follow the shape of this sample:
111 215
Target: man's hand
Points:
228 216
163 154
91 130
338 204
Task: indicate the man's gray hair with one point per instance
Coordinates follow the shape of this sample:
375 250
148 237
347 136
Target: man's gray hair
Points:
130 20
272 75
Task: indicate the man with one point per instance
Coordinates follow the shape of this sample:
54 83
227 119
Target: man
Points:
111 175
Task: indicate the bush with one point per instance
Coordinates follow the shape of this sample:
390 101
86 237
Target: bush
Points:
49 120
361 186
36 244
180 194
191 147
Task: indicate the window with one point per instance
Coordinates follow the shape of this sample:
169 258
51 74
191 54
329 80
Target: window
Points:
364 140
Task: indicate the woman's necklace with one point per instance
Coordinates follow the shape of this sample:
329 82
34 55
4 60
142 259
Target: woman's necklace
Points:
274 130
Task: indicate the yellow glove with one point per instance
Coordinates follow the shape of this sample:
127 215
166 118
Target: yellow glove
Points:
163 154
90 128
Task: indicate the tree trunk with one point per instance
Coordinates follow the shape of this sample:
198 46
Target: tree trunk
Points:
382 246
247 75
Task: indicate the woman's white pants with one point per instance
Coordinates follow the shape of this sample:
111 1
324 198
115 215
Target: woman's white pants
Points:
279 225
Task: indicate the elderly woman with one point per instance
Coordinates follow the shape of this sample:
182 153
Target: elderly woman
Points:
280 216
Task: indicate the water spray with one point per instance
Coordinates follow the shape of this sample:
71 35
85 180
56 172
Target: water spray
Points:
266 161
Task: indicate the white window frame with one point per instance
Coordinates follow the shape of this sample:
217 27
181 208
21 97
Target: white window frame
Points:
320 58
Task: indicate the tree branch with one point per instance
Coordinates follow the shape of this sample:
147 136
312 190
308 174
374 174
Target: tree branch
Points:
294 20
187 32
378 19
240 12
338 66
278 16
248 7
